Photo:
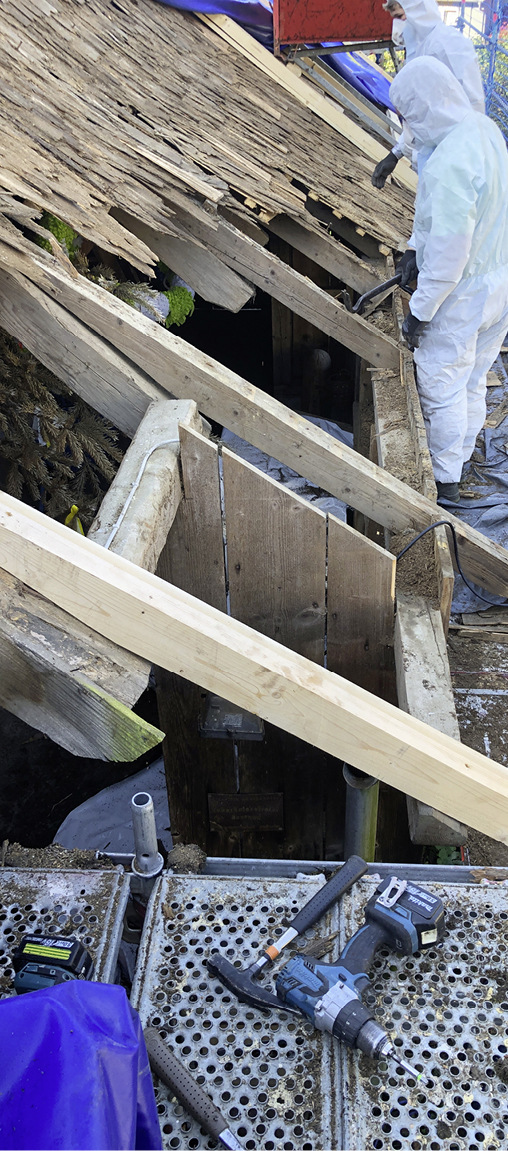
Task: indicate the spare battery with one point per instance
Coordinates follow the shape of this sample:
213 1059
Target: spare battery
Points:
66 953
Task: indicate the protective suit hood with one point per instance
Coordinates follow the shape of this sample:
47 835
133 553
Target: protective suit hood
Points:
421 17
430 100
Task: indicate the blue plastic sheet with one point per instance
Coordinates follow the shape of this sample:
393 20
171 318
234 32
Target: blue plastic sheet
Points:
74 1072
255 15
362 76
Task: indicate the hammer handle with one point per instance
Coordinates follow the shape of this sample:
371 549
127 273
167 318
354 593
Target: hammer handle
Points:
189 1093
341 881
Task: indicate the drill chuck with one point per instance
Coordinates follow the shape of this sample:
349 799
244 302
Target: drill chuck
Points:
342 1013
372 1039
345 1015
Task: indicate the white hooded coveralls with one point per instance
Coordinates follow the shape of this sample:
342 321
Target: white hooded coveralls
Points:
425 34
461 239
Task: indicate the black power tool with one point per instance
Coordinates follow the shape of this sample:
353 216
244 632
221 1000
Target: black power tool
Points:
401 916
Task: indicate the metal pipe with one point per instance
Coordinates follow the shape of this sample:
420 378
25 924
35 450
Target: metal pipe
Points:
148 861
362 795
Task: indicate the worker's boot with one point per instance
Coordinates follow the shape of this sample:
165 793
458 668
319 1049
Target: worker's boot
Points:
447 493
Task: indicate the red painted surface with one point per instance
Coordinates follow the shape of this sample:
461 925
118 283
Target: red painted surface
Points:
313 21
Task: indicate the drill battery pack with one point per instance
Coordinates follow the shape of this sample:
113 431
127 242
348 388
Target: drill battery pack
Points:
44 960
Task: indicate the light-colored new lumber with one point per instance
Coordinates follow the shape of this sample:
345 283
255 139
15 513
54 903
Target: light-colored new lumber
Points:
140 505
224 396
295 291
328 252
424 689
176 631
67 681
322 105
200 268
316 71
93 369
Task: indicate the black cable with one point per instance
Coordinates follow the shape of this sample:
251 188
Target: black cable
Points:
447 524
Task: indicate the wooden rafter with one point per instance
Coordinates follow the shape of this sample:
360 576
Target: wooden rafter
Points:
186 636
224 396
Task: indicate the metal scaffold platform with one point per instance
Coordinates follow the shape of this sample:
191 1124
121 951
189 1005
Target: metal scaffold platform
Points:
89 905
282 1084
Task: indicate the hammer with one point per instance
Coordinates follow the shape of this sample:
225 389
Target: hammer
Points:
241 982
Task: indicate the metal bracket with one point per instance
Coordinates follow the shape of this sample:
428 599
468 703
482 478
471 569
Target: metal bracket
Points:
392 893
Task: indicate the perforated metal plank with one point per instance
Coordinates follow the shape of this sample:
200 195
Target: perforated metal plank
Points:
272 1077
281 1084
87 904
447 1010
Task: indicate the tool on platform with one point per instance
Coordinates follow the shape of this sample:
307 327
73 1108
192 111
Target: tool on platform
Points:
401 916
241 983
187 1091
45 960
358 308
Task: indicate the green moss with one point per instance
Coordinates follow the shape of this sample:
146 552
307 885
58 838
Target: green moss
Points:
65 235
181 306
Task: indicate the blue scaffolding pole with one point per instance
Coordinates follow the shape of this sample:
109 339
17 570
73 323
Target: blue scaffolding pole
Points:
493 56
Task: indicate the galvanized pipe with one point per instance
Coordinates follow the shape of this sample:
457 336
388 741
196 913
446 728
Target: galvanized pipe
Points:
148 861
362 795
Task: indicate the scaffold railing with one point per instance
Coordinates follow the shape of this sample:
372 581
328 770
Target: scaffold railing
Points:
487 26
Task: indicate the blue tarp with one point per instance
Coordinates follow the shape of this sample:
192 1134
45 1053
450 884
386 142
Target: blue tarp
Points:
74 1072
256 16
362 76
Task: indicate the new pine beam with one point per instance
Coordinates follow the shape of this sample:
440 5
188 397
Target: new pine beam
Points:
186 372
186 636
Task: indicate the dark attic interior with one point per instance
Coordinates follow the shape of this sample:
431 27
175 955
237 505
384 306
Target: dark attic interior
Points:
252 689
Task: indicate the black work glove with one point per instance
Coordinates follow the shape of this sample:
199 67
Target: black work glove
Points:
412 330
383 170
408 267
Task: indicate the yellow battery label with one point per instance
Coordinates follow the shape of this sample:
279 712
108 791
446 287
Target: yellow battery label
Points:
47 952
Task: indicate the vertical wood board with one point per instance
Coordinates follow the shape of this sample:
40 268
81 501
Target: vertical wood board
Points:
193 558
425 690
361 598
276 544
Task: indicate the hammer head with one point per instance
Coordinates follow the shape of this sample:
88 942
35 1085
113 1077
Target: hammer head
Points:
241 983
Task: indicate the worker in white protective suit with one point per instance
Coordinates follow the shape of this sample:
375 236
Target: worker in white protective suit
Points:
419 28
458 314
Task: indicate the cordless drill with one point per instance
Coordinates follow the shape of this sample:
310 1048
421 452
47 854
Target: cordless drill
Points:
401 916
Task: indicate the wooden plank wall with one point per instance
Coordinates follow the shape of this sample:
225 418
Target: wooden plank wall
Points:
276 545
361 597
193 560
276 558
303 579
